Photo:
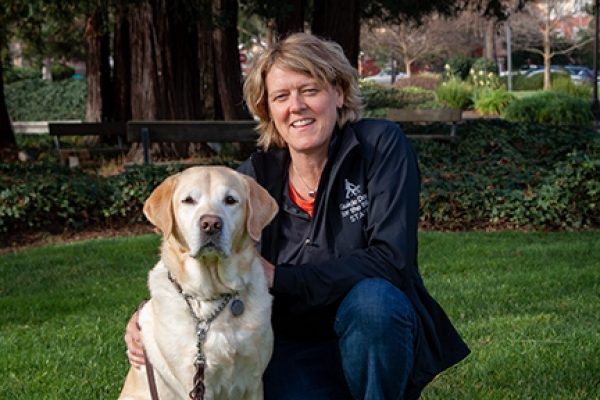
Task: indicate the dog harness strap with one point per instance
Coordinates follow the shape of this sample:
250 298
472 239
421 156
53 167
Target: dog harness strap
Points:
151 378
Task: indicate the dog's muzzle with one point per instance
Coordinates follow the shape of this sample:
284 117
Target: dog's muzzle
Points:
211 227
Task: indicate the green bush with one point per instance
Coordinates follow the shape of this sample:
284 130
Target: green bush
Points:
535 82
376 98
454 93
485 65
14 74
503 175
550 108
568 87
492 101
458 66
497 175
39 100
61 72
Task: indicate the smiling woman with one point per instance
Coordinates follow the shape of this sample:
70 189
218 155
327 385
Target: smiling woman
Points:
351 316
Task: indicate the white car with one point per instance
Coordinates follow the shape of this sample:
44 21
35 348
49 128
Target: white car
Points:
384 77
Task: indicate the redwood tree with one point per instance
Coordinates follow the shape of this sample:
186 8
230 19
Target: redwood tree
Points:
227 59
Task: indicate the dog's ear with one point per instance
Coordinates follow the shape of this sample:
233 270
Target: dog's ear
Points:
158 207
261 208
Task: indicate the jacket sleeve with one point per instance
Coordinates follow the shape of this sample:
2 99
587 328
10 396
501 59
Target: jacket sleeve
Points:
393 185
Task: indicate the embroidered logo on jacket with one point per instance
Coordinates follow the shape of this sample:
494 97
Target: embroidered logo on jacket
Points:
355 208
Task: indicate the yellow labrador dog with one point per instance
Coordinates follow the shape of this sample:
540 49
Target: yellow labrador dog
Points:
206 329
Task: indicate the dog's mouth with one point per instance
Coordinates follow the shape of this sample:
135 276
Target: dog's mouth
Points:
210 247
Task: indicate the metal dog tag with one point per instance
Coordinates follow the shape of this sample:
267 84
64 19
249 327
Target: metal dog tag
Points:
237 307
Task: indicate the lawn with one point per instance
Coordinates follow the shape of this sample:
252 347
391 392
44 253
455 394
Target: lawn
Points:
528 304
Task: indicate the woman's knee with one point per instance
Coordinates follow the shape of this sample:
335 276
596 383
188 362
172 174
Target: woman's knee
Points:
374 306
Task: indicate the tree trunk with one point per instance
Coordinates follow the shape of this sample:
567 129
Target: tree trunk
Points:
121 68
547 54
490 38
227 60
339 20
206 71
7 135
99 98
169 78
290 18
408 65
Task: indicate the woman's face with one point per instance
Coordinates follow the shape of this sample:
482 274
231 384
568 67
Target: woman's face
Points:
303 111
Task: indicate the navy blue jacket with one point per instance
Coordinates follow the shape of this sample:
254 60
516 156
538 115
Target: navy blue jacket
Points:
364 225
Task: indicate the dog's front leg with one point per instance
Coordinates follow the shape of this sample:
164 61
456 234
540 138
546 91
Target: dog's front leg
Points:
136 385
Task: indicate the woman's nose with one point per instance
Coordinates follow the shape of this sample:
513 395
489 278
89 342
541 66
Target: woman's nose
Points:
297 102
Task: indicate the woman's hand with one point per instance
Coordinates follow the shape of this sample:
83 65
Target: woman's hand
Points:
269 270
133 340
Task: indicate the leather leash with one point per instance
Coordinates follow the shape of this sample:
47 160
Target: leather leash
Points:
149 367
151 378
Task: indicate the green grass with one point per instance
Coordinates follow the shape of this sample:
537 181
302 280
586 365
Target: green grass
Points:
528 304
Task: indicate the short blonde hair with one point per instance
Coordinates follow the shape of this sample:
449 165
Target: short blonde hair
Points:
306 54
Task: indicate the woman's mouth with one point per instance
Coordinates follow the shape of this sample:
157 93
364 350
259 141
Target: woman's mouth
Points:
302 122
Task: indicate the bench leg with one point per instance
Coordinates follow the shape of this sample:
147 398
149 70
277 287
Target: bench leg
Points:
146 144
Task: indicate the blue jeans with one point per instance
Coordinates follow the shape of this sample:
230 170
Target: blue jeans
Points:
371 358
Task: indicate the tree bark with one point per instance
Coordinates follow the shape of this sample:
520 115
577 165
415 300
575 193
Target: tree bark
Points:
227 60
7 135
170 52
122 63
290 18
490 38
339 20
99 98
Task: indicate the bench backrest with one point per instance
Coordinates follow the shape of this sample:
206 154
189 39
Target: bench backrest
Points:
87 129
192 131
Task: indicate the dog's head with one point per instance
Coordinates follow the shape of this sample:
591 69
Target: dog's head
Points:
210 210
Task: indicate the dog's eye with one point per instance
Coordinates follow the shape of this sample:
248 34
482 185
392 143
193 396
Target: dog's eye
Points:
230 200
188 200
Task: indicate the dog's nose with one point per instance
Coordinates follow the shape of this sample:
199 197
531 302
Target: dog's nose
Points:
211 224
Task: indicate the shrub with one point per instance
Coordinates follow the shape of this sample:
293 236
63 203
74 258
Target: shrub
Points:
497 175
568 87
535 82
458 66
14 74
492 101
376 98
427 81
61 72
454 94
39 100
504 175
485 65
550 108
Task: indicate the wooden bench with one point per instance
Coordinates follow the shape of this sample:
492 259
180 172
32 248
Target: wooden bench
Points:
147 132
446 115
104 129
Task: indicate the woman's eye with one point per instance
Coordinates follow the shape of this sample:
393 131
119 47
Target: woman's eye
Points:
310 91
230 200
188 200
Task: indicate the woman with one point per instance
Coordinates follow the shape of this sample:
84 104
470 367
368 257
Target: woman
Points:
351 316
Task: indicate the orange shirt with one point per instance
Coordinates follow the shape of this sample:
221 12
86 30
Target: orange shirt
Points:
306 205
